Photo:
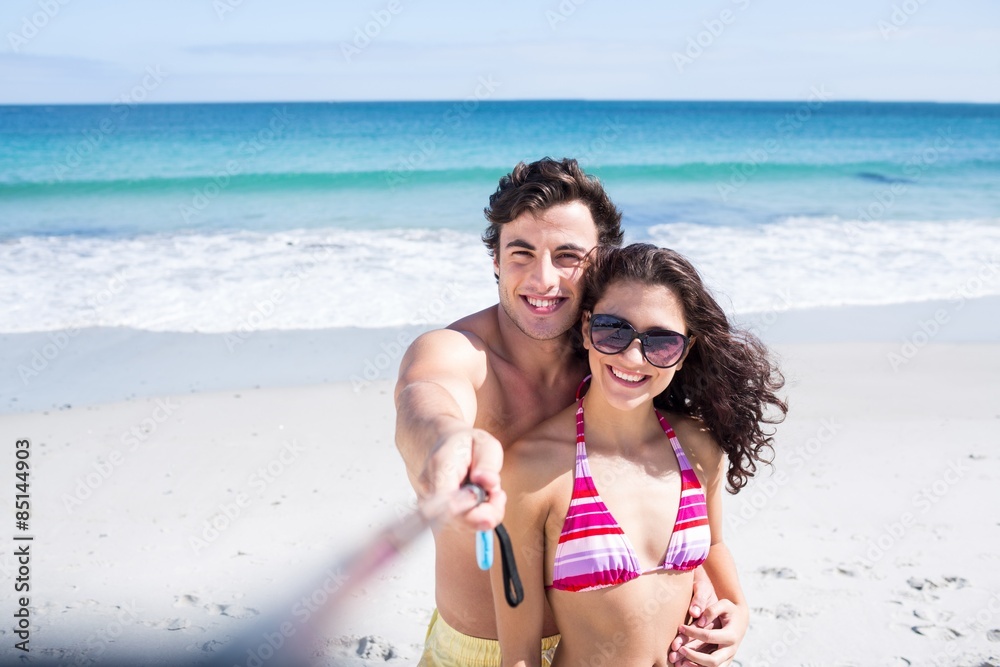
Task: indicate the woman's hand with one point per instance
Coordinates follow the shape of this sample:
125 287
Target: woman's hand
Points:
713 639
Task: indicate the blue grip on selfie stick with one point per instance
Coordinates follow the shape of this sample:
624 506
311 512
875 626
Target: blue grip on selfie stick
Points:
484 549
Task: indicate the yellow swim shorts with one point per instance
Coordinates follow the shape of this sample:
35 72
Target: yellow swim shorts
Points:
446 647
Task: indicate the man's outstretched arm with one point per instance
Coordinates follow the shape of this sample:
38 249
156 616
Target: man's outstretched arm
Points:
435 415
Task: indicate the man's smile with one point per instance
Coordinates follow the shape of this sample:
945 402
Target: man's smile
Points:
543 305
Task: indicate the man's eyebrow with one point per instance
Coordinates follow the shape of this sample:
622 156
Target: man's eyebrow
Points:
521 243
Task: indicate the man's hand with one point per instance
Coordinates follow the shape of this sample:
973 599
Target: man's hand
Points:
702 597
713 639
468 454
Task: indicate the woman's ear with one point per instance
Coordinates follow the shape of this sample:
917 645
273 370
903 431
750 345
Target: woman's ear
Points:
585 329
680 363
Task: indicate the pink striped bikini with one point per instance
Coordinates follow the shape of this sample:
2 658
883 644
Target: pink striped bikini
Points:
594 552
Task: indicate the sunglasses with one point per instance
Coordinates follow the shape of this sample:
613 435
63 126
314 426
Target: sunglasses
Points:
660 347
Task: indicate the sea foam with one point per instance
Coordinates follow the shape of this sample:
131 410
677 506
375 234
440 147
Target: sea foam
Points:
331 278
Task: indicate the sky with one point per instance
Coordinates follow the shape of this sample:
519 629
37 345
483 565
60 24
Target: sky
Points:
78 51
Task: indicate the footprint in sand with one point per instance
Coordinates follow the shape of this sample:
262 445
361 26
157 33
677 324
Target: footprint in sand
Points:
778 572
932 615
236 611
209 646
171 624
847 570
786 611
782 612
933 623
993 635
213 609
926 584
373 647
936 632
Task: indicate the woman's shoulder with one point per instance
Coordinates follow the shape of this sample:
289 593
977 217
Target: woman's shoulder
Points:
699 444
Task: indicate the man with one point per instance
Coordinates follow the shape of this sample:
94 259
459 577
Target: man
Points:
466 391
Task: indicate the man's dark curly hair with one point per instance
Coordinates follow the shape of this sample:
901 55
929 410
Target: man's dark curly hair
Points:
727 381
543 184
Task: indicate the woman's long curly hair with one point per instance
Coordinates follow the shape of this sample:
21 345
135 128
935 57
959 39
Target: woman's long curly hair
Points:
727 381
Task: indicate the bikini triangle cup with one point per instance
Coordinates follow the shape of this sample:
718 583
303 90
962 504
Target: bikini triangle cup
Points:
593 550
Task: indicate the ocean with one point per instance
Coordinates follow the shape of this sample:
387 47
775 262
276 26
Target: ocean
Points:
227 217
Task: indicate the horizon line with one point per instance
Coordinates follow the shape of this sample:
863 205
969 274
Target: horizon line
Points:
507 101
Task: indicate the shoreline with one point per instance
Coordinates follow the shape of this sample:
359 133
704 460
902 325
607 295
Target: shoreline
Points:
49 370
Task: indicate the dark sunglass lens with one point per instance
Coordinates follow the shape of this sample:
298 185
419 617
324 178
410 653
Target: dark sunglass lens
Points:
610 335
664 349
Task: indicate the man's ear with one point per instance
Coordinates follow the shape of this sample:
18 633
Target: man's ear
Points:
496 268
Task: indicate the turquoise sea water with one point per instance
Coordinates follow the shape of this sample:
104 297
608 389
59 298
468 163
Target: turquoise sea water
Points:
199 210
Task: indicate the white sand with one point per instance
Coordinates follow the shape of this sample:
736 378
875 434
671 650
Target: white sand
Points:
875 542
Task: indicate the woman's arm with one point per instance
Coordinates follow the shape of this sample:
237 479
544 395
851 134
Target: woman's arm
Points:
520 628
731 610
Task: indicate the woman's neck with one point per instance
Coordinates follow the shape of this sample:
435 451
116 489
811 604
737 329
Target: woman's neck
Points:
614 429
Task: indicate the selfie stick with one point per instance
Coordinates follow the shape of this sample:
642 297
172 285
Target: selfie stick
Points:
288 640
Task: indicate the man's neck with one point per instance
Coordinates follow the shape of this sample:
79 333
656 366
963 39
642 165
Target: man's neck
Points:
544 361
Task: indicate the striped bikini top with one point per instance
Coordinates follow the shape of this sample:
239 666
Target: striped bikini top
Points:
594 552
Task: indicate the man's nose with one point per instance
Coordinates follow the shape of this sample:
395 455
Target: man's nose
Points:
545 275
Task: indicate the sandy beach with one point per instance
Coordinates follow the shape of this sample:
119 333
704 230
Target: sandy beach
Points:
181 491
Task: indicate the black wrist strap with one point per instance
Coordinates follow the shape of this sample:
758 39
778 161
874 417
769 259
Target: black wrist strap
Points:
512 588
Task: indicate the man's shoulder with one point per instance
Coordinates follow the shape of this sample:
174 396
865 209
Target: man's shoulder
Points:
482 328
471 334
461 348
451 341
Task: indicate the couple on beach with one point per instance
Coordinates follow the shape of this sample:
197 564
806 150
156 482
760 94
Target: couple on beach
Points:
609 392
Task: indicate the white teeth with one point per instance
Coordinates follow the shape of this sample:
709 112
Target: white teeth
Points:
542 303
628 377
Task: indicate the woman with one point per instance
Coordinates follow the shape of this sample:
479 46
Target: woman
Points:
674 410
